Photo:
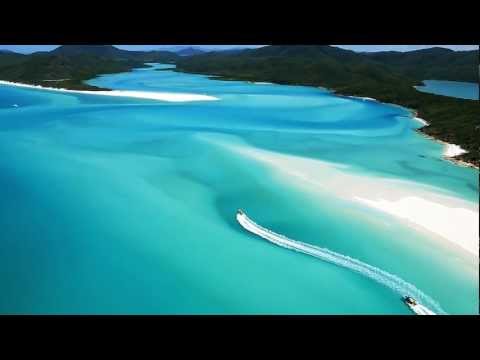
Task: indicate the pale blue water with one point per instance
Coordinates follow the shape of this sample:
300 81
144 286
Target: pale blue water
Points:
456 89
116 205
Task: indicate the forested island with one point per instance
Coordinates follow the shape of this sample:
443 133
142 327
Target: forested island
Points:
68 66
386 76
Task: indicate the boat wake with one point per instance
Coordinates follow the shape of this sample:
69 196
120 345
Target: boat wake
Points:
384 278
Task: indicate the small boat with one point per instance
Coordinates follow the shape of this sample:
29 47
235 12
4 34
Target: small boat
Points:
410 301
416 307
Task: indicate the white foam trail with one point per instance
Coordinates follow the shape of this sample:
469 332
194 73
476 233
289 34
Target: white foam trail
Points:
391 281
421 310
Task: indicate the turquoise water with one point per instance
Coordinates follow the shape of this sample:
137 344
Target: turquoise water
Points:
119 206
456 89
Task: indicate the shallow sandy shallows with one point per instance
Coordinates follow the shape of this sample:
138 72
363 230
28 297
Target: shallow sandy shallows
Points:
450 218
163 96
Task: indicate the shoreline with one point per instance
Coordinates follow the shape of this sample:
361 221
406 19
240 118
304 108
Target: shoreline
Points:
450 151
162 96
421 121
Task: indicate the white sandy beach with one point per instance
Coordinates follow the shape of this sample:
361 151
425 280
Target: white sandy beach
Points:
452 219
452 150
163 96
361 98
420 120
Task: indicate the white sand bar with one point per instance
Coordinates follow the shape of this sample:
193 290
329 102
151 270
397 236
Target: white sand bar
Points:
163 96
457 224
419 206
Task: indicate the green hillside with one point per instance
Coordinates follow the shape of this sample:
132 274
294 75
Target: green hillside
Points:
434 63
11 58
76 63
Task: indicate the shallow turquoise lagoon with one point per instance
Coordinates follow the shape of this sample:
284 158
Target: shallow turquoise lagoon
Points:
119 206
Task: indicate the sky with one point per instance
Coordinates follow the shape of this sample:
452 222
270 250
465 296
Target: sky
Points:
26 49
371 48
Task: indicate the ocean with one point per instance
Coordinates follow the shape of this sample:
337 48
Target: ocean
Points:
116 205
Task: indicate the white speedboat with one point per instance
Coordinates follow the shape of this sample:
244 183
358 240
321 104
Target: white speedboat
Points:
416 307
